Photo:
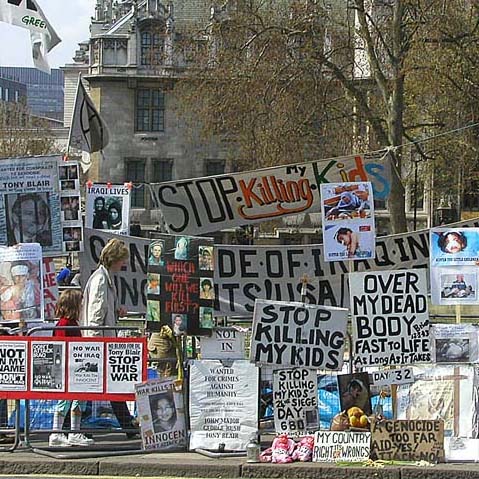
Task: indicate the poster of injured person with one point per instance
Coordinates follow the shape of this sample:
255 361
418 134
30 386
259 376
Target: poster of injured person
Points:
295 401
390 320
223 404
108 207
21 286
454 343
348 221
161 411
442 392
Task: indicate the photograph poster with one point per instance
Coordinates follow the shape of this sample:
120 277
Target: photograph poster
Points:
180 289
108 208
46 366
85 366
454 343
21 285
161 411
348 221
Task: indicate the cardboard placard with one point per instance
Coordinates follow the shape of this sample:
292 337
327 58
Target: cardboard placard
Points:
415 440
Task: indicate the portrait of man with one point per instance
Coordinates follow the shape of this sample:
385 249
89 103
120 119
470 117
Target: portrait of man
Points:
28 218
163 411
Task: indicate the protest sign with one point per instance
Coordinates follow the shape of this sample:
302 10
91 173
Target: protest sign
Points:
454 254
223 404
50 288
224 343
392 376
348 221
46 366
202 205
13 366
444 392
418 440
390 320
295 401
334 446
124 366
297 334
21 285
162 413
108 208
180 284
454 343
131 282
85 367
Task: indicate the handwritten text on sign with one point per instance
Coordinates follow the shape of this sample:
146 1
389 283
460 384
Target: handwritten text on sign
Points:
394 376
418 440
332 446
297 334
390 317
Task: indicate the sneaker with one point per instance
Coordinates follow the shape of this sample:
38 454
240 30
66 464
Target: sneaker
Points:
79 439
56 440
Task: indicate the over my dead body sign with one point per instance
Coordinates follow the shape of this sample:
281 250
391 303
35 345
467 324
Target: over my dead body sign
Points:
390 317
297 334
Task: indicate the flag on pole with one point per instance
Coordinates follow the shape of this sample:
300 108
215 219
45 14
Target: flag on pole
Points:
88 131
28 14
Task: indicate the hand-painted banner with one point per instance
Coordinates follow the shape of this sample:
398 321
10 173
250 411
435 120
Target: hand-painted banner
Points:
201 205
390 318
299 335
348 221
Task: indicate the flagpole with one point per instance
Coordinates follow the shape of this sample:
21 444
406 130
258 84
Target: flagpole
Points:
73 115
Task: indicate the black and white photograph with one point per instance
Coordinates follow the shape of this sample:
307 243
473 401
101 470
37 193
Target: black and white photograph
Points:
163 411
451 350
28 218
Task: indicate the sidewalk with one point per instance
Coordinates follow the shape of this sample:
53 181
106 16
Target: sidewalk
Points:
189 464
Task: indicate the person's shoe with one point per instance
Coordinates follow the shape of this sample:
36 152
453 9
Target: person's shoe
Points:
79 439
56 440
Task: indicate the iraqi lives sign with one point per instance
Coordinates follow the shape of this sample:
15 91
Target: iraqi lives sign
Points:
390 318
223 404
297 334
202 205
295 401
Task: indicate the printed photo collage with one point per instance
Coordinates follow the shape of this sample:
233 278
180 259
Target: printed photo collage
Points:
179 288
70 207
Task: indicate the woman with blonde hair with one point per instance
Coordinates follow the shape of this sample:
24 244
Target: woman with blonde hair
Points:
100 307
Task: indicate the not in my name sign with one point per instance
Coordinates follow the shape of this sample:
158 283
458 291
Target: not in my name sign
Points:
390 318
297 334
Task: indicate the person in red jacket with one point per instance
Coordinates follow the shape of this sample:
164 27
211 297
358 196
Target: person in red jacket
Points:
68 310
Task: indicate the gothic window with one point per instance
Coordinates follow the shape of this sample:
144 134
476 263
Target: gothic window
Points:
152 48
150 110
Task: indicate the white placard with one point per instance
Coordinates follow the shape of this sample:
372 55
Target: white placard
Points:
223 404
390 318
298 335
124 366
334 446
224 343
392 376
162 414
85 366
295 401
13 365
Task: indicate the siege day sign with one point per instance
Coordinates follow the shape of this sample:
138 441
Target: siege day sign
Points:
390 318
202 205
297 334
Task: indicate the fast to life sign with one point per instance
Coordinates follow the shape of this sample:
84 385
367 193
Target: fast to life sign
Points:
390 317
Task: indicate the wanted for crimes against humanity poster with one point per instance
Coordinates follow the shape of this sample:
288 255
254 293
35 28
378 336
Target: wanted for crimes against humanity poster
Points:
390 317
223 404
